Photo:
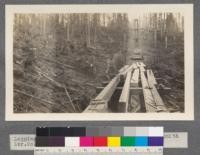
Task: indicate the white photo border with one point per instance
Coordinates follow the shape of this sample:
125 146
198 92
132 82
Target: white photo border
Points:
185 9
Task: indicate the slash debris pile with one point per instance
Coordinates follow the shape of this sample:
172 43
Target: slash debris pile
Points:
59 59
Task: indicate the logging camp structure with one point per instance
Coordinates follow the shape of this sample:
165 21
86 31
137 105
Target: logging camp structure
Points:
133 89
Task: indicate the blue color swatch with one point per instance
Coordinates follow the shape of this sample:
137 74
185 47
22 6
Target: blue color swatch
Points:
141 141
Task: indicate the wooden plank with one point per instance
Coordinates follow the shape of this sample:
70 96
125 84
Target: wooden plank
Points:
137 57
142 64
120 88
135 78
96 107
138 64
148 98
124 98
104 96
107 92
130 68
133 90
123 68
151 78
157 98
134 66
142 69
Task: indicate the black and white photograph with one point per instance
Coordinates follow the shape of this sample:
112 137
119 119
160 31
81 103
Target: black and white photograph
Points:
89 62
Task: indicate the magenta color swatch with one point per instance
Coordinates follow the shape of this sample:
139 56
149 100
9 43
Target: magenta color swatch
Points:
86 141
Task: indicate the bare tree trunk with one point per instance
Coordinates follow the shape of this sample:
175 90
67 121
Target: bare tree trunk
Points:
136 28
104 19
95 35
125 41
165 29
182 24
155 38
44 24
88 31
155 30
166 41
29 19
179 22
40 24
68 28
161 26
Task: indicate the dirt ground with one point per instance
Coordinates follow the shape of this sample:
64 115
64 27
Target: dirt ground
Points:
53 76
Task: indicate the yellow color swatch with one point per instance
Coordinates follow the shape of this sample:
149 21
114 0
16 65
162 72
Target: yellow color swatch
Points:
113 141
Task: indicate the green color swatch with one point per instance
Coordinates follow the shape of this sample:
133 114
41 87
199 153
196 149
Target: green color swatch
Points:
127 141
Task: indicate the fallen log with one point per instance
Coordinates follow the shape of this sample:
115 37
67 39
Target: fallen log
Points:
56 62
58 84
34 97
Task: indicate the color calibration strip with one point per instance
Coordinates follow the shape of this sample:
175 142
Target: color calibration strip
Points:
100 137
124 141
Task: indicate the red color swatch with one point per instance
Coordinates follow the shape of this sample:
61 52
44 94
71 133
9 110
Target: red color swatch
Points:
100 141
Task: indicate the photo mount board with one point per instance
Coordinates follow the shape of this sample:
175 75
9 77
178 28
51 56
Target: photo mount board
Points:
192 127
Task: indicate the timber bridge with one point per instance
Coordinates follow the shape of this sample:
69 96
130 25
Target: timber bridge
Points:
134 87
